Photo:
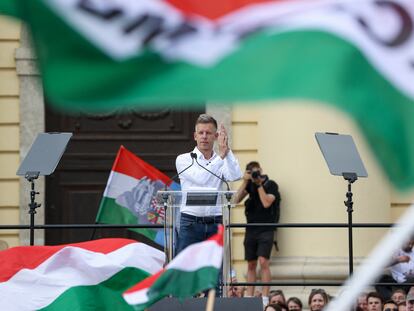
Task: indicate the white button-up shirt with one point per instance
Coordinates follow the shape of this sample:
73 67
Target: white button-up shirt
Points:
197 178
400 271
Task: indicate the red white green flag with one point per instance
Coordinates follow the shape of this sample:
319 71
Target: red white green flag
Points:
82 276
195 269
130 195
356 55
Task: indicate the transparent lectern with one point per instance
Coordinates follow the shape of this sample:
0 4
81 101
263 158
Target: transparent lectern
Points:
172 201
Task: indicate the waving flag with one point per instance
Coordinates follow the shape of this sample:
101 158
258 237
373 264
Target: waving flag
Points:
130 195
83 276
151 53
195 269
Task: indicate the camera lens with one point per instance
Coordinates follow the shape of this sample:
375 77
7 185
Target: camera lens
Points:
256 174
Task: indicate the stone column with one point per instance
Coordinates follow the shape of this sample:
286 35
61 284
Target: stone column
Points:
222 113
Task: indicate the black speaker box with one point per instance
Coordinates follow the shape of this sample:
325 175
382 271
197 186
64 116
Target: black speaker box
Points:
199 304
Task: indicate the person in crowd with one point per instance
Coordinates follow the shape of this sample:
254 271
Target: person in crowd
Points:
402 271
240 291
262 206
398 295
375 301
402 306
277 296
294 304
283 306
362 302
273 307
410 301
318 299
234 290
390 305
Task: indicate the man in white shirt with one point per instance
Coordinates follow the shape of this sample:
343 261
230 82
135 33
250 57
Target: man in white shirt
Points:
197 223
402 271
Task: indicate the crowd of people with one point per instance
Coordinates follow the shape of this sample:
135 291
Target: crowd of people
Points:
318 299
394 294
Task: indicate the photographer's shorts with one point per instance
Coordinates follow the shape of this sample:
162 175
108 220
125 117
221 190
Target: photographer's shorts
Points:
258 244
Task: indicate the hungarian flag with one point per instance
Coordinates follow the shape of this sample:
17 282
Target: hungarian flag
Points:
356 55
82 276
195 269
130 195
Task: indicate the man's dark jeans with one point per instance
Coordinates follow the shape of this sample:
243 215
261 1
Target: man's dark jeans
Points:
197 229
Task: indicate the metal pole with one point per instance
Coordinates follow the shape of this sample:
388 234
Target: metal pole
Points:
349 205
166 242
32 210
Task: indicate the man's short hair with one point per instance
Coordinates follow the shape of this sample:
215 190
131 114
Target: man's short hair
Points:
205 119
295 300
251 165
399 290
375 295
276 292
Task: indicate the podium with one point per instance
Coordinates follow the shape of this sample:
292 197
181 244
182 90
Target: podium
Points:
221 304
172 201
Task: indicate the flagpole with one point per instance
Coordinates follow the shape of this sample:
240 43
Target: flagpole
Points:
93 232
210 299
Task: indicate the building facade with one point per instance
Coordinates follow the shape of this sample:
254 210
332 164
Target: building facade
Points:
278 135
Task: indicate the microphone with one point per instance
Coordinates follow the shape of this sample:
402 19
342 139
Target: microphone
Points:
194 156
183 170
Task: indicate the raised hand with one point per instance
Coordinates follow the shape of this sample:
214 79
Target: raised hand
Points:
223 143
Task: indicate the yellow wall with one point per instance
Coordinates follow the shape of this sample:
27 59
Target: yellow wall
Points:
399 203
245 147
9 130
281 137
309 192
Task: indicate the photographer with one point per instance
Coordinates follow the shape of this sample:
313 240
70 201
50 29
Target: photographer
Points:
262 206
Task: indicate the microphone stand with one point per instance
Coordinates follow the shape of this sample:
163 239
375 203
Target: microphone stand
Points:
228 197
166 244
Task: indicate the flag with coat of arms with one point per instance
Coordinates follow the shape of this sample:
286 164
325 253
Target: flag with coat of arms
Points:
130 195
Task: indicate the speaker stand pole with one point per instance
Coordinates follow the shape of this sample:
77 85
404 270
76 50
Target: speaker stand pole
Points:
351 178
31 177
